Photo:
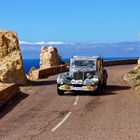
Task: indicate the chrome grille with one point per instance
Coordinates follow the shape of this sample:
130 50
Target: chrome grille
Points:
78 75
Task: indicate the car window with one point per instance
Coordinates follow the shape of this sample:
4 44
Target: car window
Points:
81 63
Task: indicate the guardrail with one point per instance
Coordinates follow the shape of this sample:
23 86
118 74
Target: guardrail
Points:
52 71
45 73
120 62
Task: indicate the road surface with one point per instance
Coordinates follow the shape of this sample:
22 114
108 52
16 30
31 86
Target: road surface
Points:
38 113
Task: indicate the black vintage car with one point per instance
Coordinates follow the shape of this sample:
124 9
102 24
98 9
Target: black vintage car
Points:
85 74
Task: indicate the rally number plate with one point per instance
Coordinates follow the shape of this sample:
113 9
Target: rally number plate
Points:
76 88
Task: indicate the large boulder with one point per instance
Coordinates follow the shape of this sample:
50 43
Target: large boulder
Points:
11 65
49 57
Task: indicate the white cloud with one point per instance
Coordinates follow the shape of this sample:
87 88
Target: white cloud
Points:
54 43
42 43
23 42
39 43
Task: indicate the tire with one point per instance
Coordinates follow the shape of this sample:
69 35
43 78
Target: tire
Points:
105 84
59 92
99 89
105 77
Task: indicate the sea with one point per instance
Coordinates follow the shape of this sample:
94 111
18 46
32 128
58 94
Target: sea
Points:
29 63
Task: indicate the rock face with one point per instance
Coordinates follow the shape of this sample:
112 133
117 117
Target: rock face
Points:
137 68
11 65
133 77
49 57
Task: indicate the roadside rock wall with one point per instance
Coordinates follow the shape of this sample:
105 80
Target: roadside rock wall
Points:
45 73
7 92
11 65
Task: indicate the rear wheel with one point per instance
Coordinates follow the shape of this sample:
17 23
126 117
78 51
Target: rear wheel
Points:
59 92
105 84
105 76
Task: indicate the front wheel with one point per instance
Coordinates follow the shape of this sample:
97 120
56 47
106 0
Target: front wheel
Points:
59 92
99 88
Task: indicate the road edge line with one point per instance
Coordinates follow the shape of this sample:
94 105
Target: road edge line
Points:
76 100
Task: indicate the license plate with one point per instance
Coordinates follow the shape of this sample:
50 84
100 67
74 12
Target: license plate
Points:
76 88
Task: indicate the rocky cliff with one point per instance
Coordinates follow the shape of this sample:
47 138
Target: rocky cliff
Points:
133 77
11 65
49 57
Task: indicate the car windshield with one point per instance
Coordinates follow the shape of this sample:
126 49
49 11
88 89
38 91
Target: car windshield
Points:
84 63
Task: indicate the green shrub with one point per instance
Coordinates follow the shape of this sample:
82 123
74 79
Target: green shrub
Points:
137 76
136 83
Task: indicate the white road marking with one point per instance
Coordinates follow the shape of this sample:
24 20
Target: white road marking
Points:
59 124
76 100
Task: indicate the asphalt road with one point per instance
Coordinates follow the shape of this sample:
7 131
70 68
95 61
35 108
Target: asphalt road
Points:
39 113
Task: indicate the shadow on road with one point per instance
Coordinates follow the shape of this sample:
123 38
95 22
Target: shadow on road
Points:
6 108
83 93
116 88
109 90
41 83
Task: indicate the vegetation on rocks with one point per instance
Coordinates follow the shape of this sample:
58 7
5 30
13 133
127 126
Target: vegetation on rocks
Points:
133 77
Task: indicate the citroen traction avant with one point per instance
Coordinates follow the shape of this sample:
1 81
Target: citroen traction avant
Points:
86 73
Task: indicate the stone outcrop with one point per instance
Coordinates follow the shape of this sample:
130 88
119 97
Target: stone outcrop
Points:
49 57
133 77
11 65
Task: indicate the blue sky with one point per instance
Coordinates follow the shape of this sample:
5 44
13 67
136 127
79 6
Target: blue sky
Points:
72 20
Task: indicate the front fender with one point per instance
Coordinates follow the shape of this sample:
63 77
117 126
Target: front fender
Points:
63 78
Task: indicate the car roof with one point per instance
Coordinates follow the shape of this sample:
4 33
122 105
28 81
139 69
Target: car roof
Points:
85 57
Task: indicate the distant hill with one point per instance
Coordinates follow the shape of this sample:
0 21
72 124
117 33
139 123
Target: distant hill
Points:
66 50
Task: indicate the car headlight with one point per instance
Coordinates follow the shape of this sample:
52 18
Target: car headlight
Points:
89 82
89 75
73 81
60 80
95 78
79 82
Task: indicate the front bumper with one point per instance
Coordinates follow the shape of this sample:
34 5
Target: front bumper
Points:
77 88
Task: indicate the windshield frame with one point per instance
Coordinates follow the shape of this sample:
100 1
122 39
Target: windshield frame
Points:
93 67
